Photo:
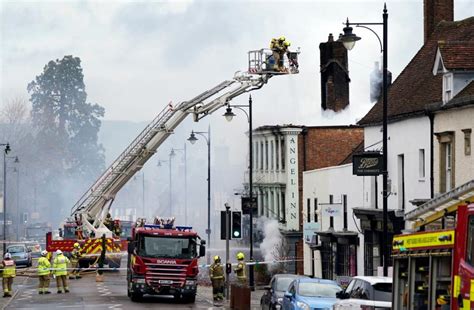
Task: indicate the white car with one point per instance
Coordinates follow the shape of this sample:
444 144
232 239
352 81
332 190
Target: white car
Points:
366 293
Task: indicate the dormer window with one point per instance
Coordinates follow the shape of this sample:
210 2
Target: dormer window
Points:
447 87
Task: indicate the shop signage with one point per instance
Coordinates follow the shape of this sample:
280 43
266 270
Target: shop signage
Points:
439 239
367 163
309 230
331 209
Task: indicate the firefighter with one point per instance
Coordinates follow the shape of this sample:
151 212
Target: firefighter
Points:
116 229
216 273
75 257
108 222
275 47
60 271
9 272
240 269
44 271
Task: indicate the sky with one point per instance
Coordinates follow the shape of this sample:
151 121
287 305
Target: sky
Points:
139 55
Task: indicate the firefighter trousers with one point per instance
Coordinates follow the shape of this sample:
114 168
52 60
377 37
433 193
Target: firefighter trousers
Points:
61 283
7 286
218 289
43 283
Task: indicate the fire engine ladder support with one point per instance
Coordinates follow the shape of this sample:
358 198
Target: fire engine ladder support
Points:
92 205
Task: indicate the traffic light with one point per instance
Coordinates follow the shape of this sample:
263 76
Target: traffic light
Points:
228 268
236 225
223 226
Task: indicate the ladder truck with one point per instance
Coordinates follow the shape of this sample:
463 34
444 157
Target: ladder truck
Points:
91 209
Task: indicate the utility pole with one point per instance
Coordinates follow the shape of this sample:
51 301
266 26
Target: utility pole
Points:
227 237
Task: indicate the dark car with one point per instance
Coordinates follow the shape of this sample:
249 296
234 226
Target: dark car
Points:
20 254
273 296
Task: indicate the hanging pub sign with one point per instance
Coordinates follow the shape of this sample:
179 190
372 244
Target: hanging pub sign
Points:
247 206
367 163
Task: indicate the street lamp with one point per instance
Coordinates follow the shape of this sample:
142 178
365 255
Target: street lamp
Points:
229 115
173 153
192 138
6 149
349 39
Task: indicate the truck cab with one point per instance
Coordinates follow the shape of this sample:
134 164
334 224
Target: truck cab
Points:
163 260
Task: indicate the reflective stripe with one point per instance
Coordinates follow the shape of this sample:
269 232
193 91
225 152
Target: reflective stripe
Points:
466 304
9 269
43 266
471 291
457 285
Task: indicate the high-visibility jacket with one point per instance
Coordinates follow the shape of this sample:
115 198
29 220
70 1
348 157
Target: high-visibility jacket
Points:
76 254
240 270
9 268
43 266
60 265
216 271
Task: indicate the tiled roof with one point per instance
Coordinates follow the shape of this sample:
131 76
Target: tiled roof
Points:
416 86
457 55
462 99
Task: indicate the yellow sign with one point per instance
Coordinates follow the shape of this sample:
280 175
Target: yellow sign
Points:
423 240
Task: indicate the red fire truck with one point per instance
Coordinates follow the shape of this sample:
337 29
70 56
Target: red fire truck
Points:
434 269
163 260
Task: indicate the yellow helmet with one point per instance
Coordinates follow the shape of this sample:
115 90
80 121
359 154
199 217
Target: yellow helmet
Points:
217 258
240 256
76 245
282 38
287 43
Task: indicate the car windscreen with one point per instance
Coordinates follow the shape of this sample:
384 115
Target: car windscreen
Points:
382 291
16 249
282 283
315 289
167 247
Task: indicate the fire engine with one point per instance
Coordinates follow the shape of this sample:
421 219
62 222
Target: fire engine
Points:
163 260
434 267
92 208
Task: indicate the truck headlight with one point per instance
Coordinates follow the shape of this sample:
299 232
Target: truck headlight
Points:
190 282
280 300
302 305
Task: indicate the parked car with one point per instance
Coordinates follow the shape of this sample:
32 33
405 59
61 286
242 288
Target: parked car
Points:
273 296
364 292
308 293
20 254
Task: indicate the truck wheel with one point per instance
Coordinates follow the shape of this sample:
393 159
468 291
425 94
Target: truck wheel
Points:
190 299
136 297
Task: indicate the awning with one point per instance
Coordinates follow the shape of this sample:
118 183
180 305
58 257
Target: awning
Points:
438 207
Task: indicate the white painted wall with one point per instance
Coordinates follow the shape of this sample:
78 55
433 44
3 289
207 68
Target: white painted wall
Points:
455 120
406 137
336 181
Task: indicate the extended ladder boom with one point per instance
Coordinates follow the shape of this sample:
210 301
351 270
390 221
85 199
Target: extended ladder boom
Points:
94 205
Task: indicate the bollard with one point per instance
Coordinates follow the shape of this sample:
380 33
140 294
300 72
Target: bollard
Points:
240 297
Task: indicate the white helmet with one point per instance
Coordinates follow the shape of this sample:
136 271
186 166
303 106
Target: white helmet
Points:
8 255
44 253
59 252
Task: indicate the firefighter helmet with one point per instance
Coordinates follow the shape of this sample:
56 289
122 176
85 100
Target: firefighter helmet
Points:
7 256
282 38
240 256
287 43
217 259
59 252
44 253
76 245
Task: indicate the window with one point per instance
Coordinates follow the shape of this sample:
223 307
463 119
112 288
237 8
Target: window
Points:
277 155
272 156
447 87
421 171
261 155
316 209
255 159
308 210
467 141
470 242
446 160
282 150
283 207
401 182
266 155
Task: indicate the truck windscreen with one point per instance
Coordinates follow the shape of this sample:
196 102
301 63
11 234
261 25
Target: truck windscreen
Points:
167 247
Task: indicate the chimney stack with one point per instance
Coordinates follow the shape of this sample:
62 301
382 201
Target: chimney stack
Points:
334 75
434 12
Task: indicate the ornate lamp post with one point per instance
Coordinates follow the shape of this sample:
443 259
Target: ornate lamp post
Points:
6 149
349 39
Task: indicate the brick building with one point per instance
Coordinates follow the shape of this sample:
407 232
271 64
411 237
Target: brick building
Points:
281 155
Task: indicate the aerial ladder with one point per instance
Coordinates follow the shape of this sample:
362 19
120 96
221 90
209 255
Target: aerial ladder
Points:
94 205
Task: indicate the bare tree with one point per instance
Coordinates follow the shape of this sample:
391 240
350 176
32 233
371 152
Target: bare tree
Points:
280 253
15 120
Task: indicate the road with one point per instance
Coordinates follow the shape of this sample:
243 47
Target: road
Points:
86 293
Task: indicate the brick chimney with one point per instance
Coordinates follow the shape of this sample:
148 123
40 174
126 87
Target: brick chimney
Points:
334 75
435 11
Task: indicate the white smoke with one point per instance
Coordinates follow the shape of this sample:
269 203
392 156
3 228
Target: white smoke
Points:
272 241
